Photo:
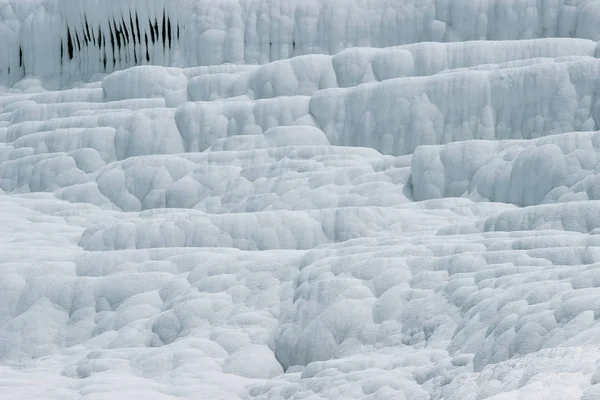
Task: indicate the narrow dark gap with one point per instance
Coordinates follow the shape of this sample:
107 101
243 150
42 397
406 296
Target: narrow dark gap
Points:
83 36
78 42
147 54
100 37
132 27
151 32
117 35
126 39
177 31
156 29
112 43
112 37
62 52
103 41
69 43
9 70
21 55
87 29
133 38
139 33
100 50
93 36
164 30
122 42
169 31
125 31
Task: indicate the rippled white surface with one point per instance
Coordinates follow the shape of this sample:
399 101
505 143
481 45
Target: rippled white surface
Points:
267 201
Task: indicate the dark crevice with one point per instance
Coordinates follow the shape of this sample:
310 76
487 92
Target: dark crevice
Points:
151 32
112 43
87 30
21 55
133 38
77 41
169 31
125 31
69 44
132 28
147 54
103 40
76 44
164 30
122 42
93 36
137 25
117 35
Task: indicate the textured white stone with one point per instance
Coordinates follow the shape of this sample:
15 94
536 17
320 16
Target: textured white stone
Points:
299 199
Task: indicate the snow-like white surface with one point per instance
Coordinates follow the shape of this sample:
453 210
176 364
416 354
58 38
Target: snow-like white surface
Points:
555 168
299 199
62 38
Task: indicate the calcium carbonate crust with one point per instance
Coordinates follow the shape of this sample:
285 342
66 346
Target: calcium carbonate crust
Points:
268 199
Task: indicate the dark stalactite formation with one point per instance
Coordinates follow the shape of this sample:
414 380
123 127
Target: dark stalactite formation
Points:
124 39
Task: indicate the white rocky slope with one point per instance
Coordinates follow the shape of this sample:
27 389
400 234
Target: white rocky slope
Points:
273 203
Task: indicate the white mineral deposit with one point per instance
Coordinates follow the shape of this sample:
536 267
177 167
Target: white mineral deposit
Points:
299 199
